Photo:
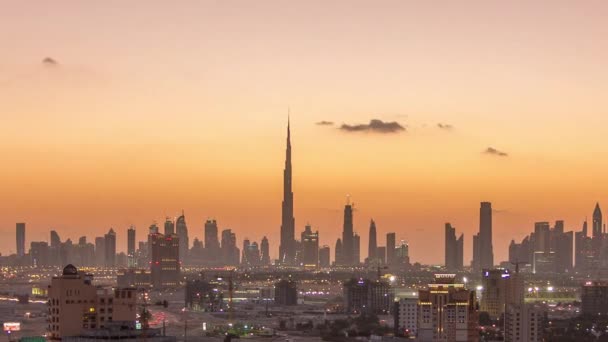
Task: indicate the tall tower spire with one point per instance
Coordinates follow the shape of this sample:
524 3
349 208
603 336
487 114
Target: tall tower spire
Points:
287 248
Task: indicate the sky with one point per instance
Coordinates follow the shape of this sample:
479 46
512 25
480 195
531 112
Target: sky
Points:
117 113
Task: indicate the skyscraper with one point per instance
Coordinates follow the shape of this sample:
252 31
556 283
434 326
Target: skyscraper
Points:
212 242
131 262
356 249
390 248
230 251
373 244
324 256
338 258
110 248
20 231
310 247
347 236
100 251
287 252
169 226
597 221
453 249
484 255
182 233
265 251
165 265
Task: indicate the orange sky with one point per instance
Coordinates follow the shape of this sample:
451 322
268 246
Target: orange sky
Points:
155 107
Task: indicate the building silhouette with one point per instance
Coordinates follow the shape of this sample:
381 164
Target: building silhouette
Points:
454 248
110 248
20 235
367 296
372 248
310 247
483 252
287 250
212 242
597 222
132 261
265 252
286 293
390 248
338 258
356 250
39 253
230 251
165 265
182 233
348 250
169 226
324 257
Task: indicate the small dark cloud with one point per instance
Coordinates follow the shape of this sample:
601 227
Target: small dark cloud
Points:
375 126
495 152
49 61
325 123
445 126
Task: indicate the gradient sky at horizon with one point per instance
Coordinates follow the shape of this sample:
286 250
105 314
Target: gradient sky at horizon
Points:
153 107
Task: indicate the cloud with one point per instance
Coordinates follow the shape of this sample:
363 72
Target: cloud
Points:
495 152
375 126
325 123
445 126
49 61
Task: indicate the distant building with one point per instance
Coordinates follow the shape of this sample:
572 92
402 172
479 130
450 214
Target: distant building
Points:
212 242
356 250
20 233
76 306
324 257
454 249
132 262
139 279
372 248
265 252
381 255
348 249
100 251
39 253
367 296
338 258
483 252
390 248
401 257
594 298
169 226
447 311
165 265
286 293
182 234
310 247
110 248
230 251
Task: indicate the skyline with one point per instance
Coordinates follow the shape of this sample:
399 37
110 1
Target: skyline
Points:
106 126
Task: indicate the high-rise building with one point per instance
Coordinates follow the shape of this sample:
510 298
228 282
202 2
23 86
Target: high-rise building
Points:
402 255
324 256
381 255
372 248
494 284
447 311
55 249
338 258
76 305
169 226
251 253
110 248
310 247
483 252
356 250
182 234
20 232
453 249
212 242
100 251
523 322
594 298
597 222
286 292
230 251
132 262
367 296
390 248
39 253
265 251
287 252
347 236
165 265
